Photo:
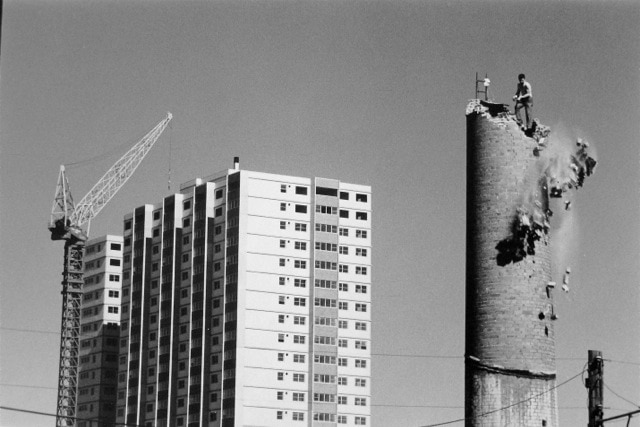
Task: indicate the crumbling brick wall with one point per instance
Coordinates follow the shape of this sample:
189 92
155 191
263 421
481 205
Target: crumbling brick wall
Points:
510 347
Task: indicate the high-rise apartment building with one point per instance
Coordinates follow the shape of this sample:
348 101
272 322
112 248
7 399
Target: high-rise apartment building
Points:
99 331
247 302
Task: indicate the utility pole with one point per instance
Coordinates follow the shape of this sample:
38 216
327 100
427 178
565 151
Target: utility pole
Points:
595 384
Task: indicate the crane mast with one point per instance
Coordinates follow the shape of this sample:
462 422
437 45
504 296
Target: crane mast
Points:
66 224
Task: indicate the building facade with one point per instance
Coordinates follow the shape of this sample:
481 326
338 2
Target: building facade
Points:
99 331
247 302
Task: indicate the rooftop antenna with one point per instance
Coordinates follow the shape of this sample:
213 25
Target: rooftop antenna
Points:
485 84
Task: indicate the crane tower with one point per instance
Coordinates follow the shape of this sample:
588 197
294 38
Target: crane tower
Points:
66 223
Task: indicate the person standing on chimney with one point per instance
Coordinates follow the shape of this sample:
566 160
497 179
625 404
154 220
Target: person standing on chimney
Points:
524 99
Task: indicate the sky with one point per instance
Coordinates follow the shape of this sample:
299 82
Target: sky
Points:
369 92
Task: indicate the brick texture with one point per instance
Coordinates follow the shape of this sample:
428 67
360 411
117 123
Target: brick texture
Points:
510 344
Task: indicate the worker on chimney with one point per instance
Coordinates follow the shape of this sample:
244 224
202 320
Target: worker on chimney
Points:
524 99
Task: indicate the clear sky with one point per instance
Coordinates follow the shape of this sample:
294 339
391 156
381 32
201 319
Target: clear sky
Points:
370 92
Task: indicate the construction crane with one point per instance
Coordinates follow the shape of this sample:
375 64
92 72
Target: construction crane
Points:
68 221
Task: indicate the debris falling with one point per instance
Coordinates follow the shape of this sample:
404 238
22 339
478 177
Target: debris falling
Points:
559 171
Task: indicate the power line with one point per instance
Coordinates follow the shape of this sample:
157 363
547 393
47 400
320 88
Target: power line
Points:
35 331
48 414
626 400
27 386
509 406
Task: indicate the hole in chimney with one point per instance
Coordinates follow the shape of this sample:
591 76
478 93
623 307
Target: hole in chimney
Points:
546 332
541 316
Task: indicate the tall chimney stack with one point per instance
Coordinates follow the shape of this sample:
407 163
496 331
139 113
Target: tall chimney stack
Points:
510 370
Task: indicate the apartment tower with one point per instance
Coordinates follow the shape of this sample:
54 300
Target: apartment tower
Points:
247 302
99 332
510 345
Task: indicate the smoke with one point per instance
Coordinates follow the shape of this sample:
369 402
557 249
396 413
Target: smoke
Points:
563 164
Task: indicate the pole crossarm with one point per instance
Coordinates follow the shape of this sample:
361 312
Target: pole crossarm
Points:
96 199
628 414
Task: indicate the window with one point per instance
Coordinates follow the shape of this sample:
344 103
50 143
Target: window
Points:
328 284
343 343
300 302
114 277
300 283
301 246
324 359
361 421
343 287
298 416
361 216
186 222
344 250
283 225
219 194
344 213
300 264
325 321
361 345
281 299
361 308
280 376
324 302
344 232
282 262
298 397
280 357
361 234
325 191
342 380
279 415
361 197
281 336
113 310
281 281
343 268
301 190
114 294
343 324
283 243
300 227
283 206
320 339
329 247
342 400
343 305
361 270
116 247
218 212
281 320
299 320
326 265
361 363
298 358
324 416
280 395
115 262
298 378
324 378
326 228
342 361
328 210
299 339
361 326
361 289
301 208
342 419
283 188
